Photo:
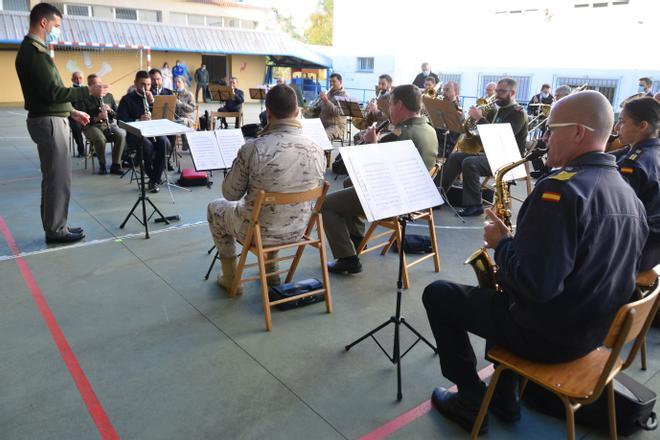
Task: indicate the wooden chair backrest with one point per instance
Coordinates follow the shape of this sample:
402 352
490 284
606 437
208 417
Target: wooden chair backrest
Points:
638 313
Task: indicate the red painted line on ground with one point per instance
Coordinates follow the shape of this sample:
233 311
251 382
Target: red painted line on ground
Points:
19 179
88 395
410 416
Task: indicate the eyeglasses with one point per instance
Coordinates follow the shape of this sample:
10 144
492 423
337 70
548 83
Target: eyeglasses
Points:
568 124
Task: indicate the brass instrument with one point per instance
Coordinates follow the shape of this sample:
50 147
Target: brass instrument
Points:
469 142
313 110
579 89
537 121
480 261
366 121
433 92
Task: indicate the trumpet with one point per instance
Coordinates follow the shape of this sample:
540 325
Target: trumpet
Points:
434 92
483 265
537 121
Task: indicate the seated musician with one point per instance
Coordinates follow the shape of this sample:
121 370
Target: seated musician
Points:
489 90
638 126
102 110
562 92
132 108
235 105
343 215
562 280
447 139
473 166
282 159
330 112
372 112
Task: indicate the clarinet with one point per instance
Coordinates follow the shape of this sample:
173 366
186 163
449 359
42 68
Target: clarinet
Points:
106 124
145 103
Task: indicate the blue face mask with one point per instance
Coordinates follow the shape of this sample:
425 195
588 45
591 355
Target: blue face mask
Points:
641 89
53 36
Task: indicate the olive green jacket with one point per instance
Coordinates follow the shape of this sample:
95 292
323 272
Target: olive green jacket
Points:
43 90
421 133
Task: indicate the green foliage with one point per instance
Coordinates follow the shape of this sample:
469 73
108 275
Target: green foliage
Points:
319 30
285 24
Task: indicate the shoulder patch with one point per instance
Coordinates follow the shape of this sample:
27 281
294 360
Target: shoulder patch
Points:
563 176
550 196
40 48
627 170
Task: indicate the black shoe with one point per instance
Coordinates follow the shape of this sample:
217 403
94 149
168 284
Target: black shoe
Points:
69 237
459 409
170 167
153 187
346 264
471 211
102 170
356 241
506 408
115 168
75 230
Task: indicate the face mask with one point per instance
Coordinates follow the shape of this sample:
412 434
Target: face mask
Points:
53 36
641 89
545 95
426 72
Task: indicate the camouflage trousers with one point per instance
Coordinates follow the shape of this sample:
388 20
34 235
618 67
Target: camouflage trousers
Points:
335 132
225 226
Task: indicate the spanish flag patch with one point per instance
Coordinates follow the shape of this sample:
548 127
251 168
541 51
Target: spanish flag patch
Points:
627 170
551 196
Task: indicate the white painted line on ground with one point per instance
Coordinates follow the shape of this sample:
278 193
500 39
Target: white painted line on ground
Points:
104 240
14 137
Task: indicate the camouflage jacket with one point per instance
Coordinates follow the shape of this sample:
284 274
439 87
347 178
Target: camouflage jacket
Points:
330 111
282 159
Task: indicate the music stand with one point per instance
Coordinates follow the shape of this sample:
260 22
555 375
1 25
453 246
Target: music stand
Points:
350 109
384 193
141 129
164 107
259 94
444 116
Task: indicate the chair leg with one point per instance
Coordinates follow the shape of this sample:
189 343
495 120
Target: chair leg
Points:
366 238
486 402
294 264
264 289
642 353
570 418
239 272
324 264
434 241
611 409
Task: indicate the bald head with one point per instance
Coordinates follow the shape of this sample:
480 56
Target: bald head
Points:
578 124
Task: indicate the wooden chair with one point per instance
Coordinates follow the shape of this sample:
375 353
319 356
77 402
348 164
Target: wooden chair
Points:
581 382
645 283
215 116
394 231
253 243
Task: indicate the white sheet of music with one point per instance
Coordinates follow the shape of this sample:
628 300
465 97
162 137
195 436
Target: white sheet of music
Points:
205 151
229 141
313 128
159 127
501 148
390 179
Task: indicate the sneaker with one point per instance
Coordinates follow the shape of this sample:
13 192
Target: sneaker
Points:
170 167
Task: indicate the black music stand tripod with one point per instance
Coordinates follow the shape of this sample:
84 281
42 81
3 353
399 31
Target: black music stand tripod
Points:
143 199
396 319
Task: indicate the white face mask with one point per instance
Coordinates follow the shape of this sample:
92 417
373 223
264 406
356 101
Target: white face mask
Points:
641 89
426 72
545 94
53 36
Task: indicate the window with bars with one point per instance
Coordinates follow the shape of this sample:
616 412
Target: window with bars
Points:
445 77
605 86
365 64
126 14
522 89
14 5
78 10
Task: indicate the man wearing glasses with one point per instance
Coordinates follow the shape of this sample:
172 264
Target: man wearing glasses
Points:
564 274
473 166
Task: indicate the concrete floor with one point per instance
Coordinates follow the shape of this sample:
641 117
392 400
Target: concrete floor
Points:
170 356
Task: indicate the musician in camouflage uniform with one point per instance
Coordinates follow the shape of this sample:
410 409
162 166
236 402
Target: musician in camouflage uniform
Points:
282 159
331 116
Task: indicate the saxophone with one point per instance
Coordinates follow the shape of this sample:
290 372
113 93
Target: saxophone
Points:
481 263
469 142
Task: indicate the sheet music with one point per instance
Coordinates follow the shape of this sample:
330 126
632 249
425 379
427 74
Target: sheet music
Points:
390 179
313 128
156 127
501 148
205 151
229 142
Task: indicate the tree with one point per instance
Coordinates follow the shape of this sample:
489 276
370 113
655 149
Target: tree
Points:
285 23
319 30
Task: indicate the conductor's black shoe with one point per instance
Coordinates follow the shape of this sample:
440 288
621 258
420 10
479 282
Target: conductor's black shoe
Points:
345 265
102 170
170 167
506 408
459 408
471 211
69 237
115 168
153 187
75 230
